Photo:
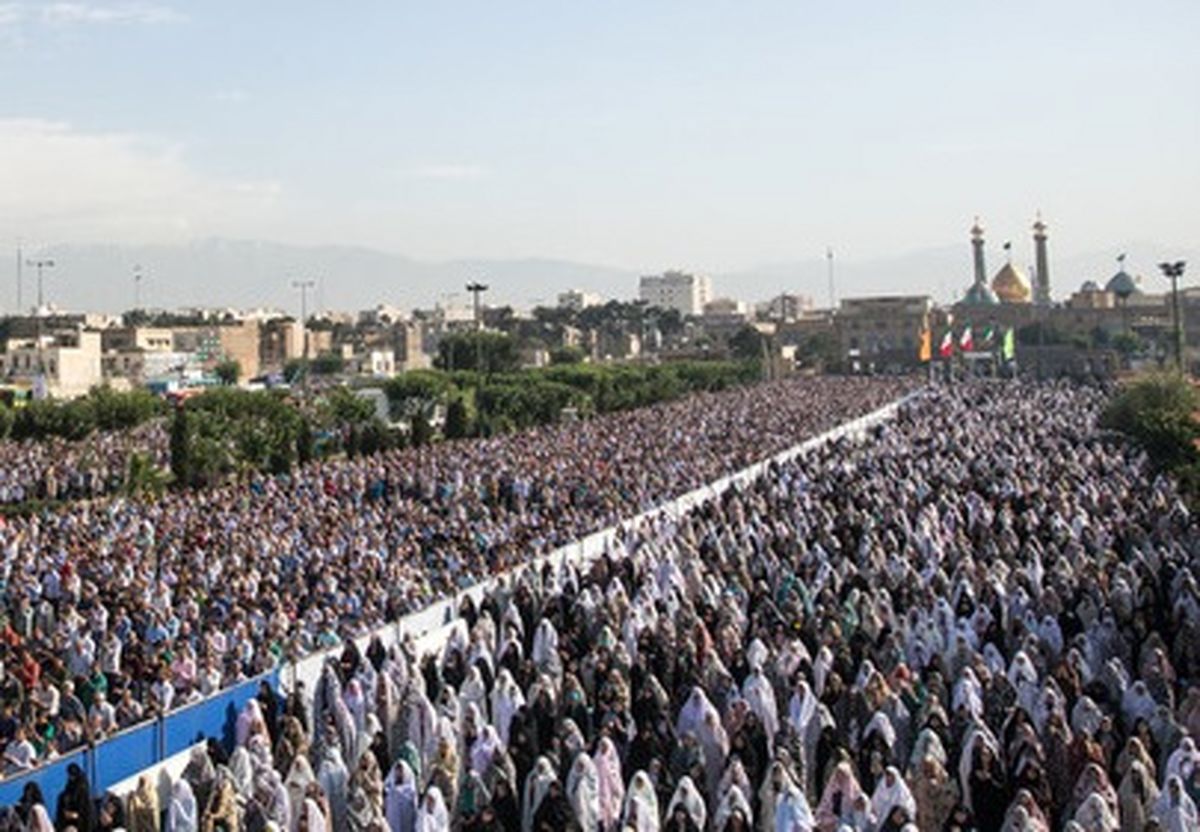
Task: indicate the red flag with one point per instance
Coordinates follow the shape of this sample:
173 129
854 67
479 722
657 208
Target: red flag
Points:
947 347
966 341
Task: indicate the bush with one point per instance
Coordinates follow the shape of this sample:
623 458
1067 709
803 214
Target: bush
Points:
566 355
1158 412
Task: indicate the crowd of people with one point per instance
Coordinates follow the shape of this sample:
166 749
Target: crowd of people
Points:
54 469
984 616
117 610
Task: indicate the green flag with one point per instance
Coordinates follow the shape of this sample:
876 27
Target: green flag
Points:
1009 350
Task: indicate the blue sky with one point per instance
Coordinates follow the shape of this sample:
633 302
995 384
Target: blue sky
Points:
710 135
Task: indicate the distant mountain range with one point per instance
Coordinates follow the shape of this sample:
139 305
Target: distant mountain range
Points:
240 273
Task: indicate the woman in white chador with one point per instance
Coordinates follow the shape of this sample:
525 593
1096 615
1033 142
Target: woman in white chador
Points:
641 805
583 791
688 799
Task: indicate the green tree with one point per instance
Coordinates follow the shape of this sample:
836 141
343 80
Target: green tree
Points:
228 372
112 410
142 477
421 431
1127 343
566 355
328 364
7 419
748 344
306 448
458 421
1158 412
293 371
181 445
417 391
820 350
482 352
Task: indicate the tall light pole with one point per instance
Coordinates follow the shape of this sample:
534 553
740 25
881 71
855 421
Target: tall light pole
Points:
1174 271
477 289
832 294
20 275
304 286
137 288
41 264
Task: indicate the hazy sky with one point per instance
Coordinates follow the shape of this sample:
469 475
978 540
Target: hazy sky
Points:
713 135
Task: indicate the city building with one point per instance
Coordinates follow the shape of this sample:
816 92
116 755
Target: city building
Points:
136 338
685 293
577 300
785 308
69 361
885 331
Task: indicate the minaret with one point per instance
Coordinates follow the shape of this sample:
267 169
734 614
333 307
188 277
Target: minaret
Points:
977 246
1041 290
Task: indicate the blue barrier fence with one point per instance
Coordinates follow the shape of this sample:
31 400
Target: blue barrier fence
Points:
135 749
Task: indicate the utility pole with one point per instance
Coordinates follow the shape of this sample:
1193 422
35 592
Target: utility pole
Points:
1174 271
137 288
476 289
41 264
304 286
829 263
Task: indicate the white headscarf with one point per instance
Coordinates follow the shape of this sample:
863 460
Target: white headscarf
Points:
1182 761
1178 815
507 699
583 790
692 714
182 815
1095 816
537 783
688 796
39 819
432 816
887 797
313 815
641 805
733 801
484 750
801 708
299 778
400 798
759 694
792 812
335 782
611 782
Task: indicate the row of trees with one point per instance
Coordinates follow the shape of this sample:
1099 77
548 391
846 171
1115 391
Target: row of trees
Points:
1159 412
74 419
484 404
227 432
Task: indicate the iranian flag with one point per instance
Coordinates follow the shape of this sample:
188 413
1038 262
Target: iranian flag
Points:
946 349
966 341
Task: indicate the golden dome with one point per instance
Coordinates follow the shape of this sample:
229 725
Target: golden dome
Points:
1011 286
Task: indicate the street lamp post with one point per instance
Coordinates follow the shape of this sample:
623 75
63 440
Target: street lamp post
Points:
477 289
41 264
304 286
1174 271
